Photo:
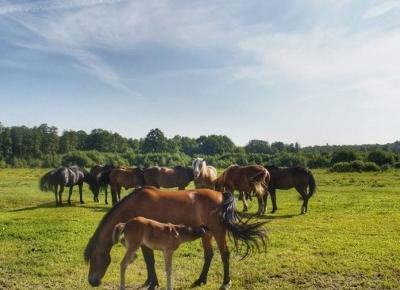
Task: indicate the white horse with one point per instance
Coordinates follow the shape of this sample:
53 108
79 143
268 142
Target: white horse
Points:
204 175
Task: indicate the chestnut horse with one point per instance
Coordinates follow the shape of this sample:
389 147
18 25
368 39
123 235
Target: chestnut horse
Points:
204 175
67 177
288 177
178 176
207 207
246 179
119 177
156 236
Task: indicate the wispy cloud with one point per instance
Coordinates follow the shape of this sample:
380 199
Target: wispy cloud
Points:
382 8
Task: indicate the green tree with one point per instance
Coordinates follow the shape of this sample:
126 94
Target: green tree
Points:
154 142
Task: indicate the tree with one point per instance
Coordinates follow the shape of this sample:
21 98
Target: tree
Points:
215 144
258 146
380 157
155 141
343 156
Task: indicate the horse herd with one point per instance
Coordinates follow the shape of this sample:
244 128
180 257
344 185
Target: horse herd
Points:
155 219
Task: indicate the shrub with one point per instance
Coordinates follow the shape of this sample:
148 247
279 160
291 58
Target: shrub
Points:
371 166
380 157
343 156
77 158
355 166
396 165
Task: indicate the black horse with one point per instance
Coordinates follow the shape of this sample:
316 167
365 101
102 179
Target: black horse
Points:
101 173
288 177
67 177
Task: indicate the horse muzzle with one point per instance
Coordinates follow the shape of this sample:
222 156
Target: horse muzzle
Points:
94 281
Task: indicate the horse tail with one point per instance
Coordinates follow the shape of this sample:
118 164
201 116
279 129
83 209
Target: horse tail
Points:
103 179
312 186
118 230
259 183
250 234
45 183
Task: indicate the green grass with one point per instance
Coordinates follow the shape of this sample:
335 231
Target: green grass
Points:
349 239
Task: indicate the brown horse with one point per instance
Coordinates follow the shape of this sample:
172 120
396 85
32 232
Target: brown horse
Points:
178 176
204 175
190 207
246 179
288 177
119 177
156 236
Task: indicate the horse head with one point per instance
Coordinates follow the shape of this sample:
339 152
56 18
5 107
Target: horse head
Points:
198 165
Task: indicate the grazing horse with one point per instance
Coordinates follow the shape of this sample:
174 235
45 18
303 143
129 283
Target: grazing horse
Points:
156 236
102 170
67 176
119 177
178 176
246 179
207 207
289 177
204 175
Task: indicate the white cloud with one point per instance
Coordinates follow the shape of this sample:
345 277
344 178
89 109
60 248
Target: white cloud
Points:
382 8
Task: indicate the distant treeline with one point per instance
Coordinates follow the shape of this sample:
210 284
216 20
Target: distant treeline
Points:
42 146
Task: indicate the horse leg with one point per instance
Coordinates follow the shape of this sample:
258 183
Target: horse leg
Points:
152 280
69 194
119 194
242 197
105 196
261 206
272 191
220 238
60 195
129 257
80 185
114 190
208 255
304 196
265 198
168 267
56 193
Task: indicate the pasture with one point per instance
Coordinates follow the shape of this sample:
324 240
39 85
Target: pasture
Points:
349 239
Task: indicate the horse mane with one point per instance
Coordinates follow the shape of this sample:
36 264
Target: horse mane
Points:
94 239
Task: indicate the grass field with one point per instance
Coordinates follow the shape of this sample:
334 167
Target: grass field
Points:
350 239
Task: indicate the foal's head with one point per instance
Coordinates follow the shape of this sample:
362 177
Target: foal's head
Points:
191 233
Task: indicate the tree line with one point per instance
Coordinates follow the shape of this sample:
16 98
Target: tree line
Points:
43 146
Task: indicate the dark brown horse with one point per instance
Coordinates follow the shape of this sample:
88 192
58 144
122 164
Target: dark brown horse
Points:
246 179
178 176
197 207
119 177
67 177
101 171
288 177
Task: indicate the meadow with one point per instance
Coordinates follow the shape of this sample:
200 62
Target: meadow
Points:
349 239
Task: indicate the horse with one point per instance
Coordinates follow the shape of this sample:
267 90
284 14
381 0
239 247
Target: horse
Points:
156 236
288 177
67 177
204 175
119 177
207 207
246 179
178 176
102 170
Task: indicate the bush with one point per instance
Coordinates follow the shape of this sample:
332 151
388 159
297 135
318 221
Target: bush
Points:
380 157
354 166
343 156
396 165
77 158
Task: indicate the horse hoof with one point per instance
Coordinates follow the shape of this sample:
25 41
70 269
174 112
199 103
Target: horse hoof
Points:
226 286
198 283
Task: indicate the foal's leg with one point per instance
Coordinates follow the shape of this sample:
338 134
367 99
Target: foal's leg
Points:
129 257
60 195
168 267
242 197
208 255
69 194
80 185
152 280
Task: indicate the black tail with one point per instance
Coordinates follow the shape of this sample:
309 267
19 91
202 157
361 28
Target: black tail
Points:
249 234
312 187
46 183
103 179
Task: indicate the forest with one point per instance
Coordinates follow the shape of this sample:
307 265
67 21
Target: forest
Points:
43 146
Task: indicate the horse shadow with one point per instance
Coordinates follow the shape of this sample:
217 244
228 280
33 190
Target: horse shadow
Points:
267 217
52 205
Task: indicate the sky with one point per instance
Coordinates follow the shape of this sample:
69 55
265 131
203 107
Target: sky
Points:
311 71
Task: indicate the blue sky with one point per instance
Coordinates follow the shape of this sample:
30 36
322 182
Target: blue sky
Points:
314 72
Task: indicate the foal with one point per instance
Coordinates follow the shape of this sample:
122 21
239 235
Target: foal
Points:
156 236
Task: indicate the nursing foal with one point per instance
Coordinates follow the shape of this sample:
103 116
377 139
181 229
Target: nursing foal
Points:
156 236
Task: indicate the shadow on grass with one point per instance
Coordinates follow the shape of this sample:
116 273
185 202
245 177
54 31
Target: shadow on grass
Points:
52 205
267 217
